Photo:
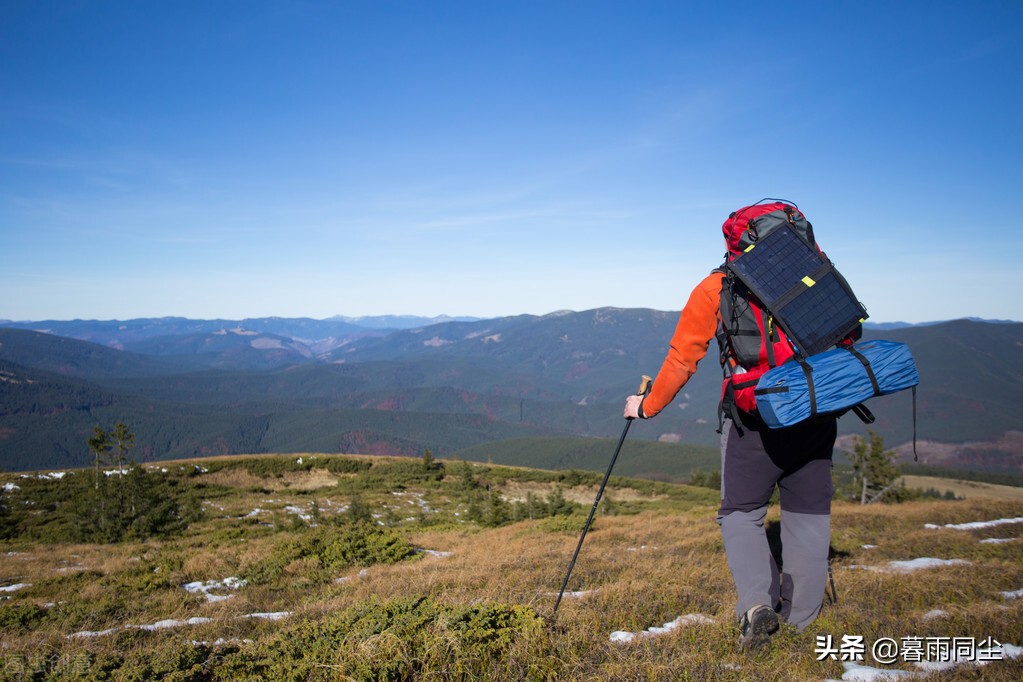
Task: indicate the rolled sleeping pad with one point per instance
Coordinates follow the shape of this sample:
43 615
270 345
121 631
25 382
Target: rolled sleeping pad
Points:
834 381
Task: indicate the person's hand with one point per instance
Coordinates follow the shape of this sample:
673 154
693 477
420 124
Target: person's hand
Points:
632 406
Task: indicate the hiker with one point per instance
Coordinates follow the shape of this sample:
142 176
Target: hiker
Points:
755 458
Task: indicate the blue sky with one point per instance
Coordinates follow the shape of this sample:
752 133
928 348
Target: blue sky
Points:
243 158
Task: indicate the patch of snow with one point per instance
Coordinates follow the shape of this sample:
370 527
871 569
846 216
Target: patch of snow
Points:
973 525
924 562
93 633
688 619
300 513
15 587
935 613
869 546
268 616
51 476
1015 594
914 565
997 541
204 588
170 623
855 672
979 657
579 594
11 487
220 641
434 552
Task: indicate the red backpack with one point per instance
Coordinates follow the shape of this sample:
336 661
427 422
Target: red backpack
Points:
748 337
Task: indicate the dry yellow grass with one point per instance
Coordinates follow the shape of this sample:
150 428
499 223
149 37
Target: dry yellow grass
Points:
314 479
635 572
964 489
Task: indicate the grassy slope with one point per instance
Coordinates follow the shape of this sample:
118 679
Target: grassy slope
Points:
484 609
642 459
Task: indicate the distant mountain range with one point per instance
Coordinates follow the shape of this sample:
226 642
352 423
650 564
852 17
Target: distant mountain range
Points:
398 385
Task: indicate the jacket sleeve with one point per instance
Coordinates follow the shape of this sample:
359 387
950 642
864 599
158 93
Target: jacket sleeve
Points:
696 327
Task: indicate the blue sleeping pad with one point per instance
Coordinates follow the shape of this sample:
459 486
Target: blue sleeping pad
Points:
834 381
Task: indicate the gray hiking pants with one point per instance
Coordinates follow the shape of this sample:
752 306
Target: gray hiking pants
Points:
798 460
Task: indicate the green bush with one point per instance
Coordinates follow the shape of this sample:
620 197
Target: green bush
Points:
19 616
335 548
402 639
347 465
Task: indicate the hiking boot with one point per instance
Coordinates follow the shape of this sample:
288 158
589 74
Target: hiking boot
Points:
756 627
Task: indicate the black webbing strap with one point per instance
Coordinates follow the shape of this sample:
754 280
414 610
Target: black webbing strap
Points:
768 341
866 365
915 458
865 415
808 371
728 409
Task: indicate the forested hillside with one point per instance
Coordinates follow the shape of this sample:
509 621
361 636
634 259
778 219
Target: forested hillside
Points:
225 387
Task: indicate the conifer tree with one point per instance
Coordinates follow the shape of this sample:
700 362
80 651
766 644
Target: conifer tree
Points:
874 469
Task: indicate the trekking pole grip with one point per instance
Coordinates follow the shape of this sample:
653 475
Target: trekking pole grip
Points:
644 386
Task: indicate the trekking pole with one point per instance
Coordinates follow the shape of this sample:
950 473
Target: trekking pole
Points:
831 577
644 388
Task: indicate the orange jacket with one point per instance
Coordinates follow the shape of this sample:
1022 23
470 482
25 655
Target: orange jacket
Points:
696 327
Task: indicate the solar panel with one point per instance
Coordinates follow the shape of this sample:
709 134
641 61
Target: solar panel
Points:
805 293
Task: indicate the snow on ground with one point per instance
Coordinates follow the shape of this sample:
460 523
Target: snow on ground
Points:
171 623
53 476
997 541
856 672
345 578
204 588
974 525
435 552
299 512
864 673
688 619
277 615
577 594
92 633
996 652
913 565
15 587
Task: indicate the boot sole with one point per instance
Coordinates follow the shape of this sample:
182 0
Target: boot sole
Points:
763 624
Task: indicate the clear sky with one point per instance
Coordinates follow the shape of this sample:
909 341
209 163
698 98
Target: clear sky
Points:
302 158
